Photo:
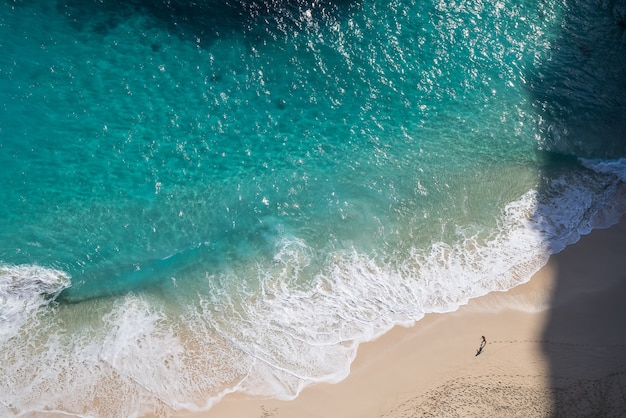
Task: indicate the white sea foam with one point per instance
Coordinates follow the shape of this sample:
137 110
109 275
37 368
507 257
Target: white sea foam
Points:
23 289
614 167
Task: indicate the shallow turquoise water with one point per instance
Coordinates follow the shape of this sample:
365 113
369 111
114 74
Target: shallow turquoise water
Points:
205 198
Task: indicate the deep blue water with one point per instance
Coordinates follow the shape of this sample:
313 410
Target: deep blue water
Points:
199 198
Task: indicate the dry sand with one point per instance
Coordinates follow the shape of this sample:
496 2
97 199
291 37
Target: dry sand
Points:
556 346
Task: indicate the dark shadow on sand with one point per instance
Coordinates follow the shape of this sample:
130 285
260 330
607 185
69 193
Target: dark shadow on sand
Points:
584 340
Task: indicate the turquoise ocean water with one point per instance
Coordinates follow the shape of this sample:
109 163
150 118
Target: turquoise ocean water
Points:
219 196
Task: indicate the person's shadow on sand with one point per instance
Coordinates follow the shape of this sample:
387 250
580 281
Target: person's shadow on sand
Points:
483 343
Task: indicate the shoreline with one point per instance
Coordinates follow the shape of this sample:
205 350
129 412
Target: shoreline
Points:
554 345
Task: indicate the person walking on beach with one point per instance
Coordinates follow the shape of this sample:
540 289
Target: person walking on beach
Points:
483 343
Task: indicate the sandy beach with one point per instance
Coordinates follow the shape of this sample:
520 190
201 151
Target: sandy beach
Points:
555 346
